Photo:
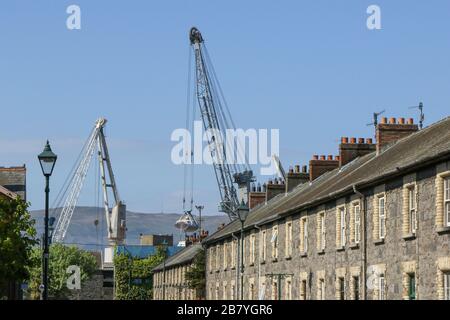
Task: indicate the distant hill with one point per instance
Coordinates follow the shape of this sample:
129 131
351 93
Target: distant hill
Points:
83 232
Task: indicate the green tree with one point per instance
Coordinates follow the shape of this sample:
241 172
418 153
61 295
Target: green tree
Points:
133 277
196 275
17 238
61 257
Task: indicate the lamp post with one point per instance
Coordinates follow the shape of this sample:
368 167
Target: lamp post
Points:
47 160
242 212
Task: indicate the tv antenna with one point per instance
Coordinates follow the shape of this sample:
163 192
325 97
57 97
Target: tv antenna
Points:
375 118
422 115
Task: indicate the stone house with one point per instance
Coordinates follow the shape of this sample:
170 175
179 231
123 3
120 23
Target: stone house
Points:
370 223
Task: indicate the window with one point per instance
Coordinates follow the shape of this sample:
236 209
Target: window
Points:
274 290
233 291
357 221
321 289
340 227
288 244
211 255
274 241
447 201
252 249
447 285
381 218
304 235
224 292
321 232
233 253
263 246
412 209
411 286
355 288
381 288
217 257
341 288
225 256
251 291
288 289
303 290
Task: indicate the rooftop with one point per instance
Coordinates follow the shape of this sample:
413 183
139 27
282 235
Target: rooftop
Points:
427 146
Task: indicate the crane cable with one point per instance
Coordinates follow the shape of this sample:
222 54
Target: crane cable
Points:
189 125
57 202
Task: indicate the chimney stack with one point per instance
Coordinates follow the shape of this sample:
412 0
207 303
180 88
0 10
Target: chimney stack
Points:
296 177
256 197
350 151
389 133
318 167
274 189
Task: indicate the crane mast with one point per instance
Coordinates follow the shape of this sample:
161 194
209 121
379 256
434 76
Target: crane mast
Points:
214 119
115 217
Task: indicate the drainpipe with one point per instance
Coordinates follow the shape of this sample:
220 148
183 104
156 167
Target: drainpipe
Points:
364 241
236 267
259 261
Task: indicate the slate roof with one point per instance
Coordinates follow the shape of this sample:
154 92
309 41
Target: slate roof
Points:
427 146
183 256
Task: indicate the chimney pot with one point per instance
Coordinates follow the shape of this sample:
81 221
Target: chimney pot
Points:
305 169
337 158
401 120
410 121
322 157
315 157
297 168
344 140
383 120
392 121
360 140
369 141
291 170
330 157
352 140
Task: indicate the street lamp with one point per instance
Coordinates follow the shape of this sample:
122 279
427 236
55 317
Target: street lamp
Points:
242 212
47 160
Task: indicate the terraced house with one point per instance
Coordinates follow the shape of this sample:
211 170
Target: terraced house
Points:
370 223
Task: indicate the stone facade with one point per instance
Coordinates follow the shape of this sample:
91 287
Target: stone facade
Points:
176 287
388 240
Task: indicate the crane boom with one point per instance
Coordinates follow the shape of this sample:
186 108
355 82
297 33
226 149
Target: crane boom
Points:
214 119
115 217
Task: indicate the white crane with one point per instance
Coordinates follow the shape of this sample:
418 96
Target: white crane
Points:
115 216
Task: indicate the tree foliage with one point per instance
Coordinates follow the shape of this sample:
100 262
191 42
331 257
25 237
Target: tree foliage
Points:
17 238
196 275
133 276
61 257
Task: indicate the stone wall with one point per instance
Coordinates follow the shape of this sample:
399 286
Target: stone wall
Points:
395 257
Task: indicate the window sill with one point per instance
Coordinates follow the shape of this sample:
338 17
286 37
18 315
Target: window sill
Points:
233 268
379 241
289 257
354 246
321 252
409 236
443 230
251 264
340 249
274 259
303 254
263 262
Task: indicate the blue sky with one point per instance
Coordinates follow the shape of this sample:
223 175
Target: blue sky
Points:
309 68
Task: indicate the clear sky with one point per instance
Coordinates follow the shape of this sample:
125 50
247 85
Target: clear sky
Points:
309 68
